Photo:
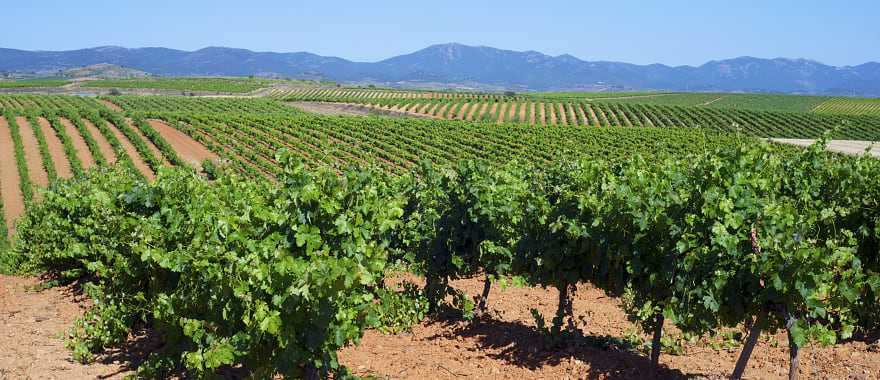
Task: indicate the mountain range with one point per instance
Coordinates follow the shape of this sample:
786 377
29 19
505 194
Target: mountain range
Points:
461 66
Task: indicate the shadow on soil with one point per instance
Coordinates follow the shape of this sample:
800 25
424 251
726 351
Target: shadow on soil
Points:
525 346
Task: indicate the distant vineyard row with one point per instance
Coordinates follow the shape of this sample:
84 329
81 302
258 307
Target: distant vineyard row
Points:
249 141
614 114
750 102
231 85
850 106
319 94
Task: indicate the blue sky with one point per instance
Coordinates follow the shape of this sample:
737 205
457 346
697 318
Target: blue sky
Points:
671 32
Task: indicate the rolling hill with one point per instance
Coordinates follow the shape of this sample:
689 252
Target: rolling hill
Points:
456 65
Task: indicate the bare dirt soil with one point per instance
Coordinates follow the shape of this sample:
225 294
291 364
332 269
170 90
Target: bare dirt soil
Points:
82 149
505 345
111 105
149 143
32 326
543 114
132 152
552 111
103 145
561 116
841 146
56 149
188 149
13 201
593 115
346 109
502 112
36 170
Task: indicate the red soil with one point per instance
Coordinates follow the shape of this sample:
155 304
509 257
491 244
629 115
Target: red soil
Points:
103 145
582 115
56 149
152 147
441 110
483 111
561 115
82 149
505 345
543 114
13 201
463 111
36 170
552 110
502 113
188 149
111 105
32 326
132 152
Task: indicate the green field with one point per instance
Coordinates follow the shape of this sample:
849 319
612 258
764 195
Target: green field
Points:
752 102
849 106
591 95
225 85
29 83
614 113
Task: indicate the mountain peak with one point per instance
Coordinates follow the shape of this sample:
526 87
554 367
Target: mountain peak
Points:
458 65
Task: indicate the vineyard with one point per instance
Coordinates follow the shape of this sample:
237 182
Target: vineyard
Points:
612 113
224 85
29 83
262 240
849 106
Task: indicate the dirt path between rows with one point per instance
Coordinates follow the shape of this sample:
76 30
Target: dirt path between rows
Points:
103 145
594 118
543 110
853 147
502 112
561 115
188 149
551 107
585 121
507 346
152 147
36 171
13 200
56 149
82 149
32 324
132 152
111 105
532 113
712 101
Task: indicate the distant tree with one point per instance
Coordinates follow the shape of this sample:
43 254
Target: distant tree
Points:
115 92
509 93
